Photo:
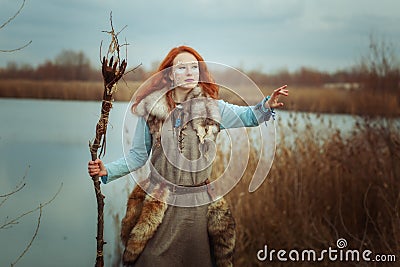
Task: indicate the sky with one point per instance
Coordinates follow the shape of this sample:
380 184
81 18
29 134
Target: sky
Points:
264 35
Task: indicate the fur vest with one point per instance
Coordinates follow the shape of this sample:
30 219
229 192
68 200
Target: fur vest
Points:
144 213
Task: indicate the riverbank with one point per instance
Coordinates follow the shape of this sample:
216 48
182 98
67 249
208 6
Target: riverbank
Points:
306 99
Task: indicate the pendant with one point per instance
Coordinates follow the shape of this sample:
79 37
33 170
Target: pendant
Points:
178 112
177 123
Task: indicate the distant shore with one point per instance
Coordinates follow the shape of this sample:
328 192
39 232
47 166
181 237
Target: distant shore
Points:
63 90
307 99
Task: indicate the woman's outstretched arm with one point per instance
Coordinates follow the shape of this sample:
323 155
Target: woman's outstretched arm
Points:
234 116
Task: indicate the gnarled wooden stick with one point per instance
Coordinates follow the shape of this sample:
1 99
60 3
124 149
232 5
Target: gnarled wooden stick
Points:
112 72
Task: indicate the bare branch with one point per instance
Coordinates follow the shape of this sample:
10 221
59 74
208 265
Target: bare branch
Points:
9 223
133 69
33 237
13 192
7 22
16 49
114 44
101 44
15 15
121 30
7 196
19 186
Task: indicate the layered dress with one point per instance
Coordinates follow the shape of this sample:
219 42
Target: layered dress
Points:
192 229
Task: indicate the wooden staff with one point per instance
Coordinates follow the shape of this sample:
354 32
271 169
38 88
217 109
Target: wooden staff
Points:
112 72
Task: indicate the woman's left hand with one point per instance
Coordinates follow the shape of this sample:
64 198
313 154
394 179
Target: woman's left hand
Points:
273 101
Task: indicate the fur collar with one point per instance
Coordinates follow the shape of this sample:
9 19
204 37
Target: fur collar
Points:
156 104
206 117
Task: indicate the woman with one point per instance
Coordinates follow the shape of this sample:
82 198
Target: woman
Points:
179 117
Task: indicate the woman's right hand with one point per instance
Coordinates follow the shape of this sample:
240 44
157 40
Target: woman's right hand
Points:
97 168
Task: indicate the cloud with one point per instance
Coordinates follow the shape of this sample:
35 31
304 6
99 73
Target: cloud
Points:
322 34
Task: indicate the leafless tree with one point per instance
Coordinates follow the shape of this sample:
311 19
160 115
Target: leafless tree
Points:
379 68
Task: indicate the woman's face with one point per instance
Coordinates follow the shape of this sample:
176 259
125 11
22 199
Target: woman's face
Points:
185 71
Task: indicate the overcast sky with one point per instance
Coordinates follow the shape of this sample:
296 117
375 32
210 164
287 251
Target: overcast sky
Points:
253 34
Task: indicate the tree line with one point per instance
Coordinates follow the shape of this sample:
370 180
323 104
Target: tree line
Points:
378 70
71 65
67 65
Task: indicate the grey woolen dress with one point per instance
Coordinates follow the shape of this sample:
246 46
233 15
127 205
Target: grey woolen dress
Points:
182 238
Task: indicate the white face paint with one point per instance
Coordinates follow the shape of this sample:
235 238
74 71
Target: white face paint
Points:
183 68
186 71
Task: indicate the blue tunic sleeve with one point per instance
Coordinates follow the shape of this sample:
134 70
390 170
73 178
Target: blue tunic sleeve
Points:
137 156
233 116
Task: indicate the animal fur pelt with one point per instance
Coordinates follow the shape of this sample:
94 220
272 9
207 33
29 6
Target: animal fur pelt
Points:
133 210
144 214
221 231
147 214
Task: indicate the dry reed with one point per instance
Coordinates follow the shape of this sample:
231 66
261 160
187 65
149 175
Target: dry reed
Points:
322 188
65 90
359 102
356 102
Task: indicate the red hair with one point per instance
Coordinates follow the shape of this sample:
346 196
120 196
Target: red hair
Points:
162 79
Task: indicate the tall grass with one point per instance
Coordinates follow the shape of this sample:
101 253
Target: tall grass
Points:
322 188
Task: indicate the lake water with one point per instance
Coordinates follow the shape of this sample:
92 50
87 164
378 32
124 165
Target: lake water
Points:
52 138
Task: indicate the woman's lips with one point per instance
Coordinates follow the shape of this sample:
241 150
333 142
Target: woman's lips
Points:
189 80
